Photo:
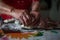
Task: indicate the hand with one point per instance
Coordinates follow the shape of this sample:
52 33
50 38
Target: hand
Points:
35 18
25 18
31 19
42 23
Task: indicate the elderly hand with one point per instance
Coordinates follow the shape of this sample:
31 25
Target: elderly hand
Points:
35 18
29 19
25 18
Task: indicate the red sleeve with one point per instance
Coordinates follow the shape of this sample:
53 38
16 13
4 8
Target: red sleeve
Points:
5 16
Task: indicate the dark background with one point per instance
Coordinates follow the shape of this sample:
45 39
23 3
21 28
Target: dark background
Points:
53 10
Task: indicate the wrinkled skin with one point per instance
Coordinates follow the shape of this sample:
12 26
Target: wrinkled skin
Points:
32 18
28 19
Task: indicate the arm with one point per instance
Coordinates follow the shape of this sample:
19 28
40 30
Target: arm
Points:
35 8
5 9
35 5
35 13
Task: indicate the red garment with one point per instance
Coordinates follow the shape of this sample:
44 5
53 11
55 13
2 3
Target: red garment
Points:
5 16
19 4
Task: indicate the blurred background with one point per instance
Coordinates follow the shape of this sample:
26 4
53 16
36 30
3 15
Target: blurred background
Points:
50 8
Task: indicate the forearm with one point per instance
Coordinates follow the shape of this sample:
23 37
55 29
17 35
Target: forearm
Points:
5 9
35 6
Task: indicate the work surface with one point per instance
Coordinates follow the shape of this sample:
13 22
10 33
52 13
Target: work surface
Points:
41 35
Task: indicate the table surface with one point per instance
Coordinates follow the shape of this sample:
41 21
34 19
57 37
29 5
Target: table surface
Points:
47 35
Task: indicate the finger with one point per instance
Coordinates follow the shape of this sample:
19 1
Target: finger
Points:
35 22
25 20
35 14
29 17
21 20
26 15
